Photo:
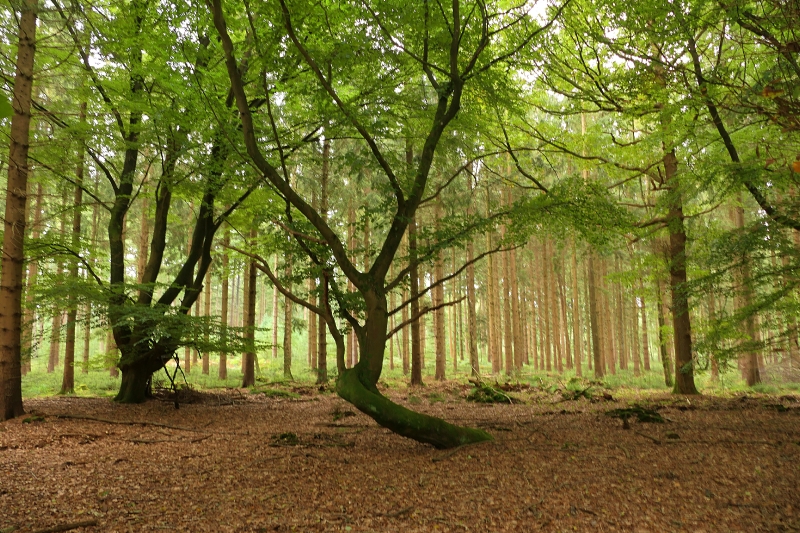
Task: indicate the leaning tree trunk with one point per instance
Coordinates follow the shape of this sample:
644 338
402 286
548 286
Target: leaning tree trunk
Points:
358 386
14 221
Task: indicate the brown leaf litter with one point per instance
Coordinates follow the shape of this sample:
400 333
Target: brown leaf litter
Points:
234 461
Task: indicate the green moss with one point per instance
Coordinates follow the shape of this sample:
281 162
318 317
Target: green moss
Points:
487 394
416 426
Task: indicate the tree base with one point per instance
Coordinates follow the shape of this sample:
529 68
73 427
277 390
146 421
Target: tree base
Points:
416 426
134 386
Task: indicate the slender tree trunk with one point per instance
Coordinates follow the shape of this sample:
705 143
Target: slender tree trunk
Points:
438 314
682 337
416 344
622 348
453 322
662 340
249 373
287 325
534 307
312 325
275 315
472 318
207 313
645 338
322 345
33 271
547 305
744 299
594 319
562 297
222 371
508 329
577 341
11 278
68 380
58 318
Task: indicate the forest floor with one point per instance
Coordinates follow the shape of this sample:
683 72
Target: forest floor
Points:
283 459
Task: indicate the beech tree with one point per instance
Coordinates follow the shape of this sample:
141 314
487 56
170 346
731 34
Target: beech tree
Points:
358 59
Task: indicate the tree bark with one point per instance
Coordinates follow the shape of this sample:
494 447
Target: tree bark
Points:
68 378
249 374
287 325
594 319
222 371
577 333
416 348
14 221
682 337
438 314
472 318
666 363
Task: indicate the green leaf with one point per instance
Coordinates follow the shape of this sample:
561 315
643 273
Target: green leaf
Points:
5 108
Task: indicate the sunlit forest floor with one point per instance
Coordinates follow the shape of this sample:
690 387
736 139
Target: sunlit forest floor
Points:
288 457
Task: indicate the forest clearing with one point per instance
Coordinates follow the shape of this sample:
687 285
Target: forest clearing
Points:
239 460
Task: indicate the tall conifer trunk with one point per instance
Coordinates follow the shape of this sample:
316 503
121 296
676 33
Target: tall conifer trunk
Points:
68 379
222 371
13 258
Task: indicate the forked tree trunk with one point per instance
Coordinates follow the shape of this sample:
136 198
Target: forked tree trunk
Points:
14 220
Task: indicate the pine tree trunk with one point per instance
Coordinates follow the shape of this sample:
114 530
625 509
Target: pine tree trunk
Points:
68 379
33 271
535 311
645 335
249 312
14 220
744 299
472 318
416 344
622 349
243 309
547 303
682 331
312 326
594 319
666 362
275 315
322 332
438 314
287 325
562 297
508 330
577 333
207 314
222 371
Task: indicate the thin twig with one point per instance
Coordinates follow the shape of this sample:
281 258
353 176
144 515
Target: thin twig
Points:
67 527
131 423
